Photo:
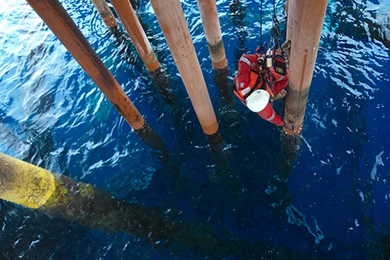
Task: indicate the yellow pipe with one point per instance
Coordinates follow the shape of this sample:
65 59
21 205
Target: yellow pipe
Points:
23 183
173 24
209 15
31 186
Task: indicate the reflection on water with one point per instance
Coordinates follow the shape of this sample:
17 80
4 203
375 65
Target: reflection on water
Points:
238 11
329 197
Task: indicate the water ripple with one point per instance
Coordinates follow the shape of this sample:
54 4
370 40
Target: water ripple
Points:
53 115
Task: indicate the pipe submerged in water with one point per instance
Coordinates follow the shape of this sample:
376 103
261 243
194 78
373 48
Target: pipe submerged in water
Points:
62 25
209 15
177 35
58 195
304 26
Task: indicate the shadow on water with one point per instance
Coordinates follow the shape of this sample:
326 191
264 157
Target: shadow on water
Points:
171 235
291 146
128 53
238 13
164 230
227 108
224 172
39 137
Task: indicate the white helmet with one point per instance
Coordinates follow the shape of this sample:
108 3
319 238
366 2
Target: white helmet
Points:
258 100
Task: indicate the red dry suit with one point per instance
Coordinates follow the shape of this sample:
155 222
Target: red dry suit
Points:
248 80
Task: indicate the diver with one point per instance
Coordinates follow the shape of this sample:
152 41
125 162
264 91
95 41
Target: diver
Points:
259 82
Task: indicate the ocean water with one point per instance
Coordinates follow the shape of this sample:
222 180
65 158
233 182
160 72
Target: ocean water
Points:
261 200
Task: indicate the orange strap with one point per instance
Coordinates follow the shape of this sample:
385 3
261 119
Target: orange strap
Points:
255 82
254 79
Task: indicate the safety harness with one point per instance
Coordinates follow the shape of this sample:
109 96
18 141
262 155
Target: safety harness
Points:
256 82
276 55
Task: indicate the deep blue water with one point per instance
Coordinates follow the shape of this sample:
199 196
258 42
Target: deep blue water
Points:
332 203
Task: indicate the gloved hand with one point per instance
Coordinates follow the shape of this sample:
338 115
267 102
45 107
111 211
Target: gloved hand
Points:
290 126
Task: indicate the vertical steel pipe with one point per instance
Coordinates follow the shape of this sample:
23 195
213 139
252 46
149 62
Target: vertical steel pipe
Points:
209 15
105 13
304 27
61 24
137 35
173 24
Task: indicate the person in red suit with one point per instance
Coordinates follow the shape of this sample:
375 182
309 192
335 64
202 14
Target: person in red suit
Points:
257 85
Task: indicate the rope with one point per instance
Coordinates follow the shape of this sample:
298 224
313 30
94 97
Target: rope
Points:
261 21
275 31
275 27
274 8
262 47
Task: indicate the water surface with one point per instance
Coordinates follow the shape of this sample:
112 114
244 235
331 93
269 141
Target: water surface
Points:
332 203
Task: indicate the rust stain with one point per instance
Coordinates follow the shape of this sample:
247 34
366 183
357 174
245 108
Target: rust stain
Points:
303 73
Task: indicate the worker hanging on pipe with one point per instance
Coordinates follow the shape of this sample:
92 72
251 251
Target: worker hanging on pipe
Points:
262 79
